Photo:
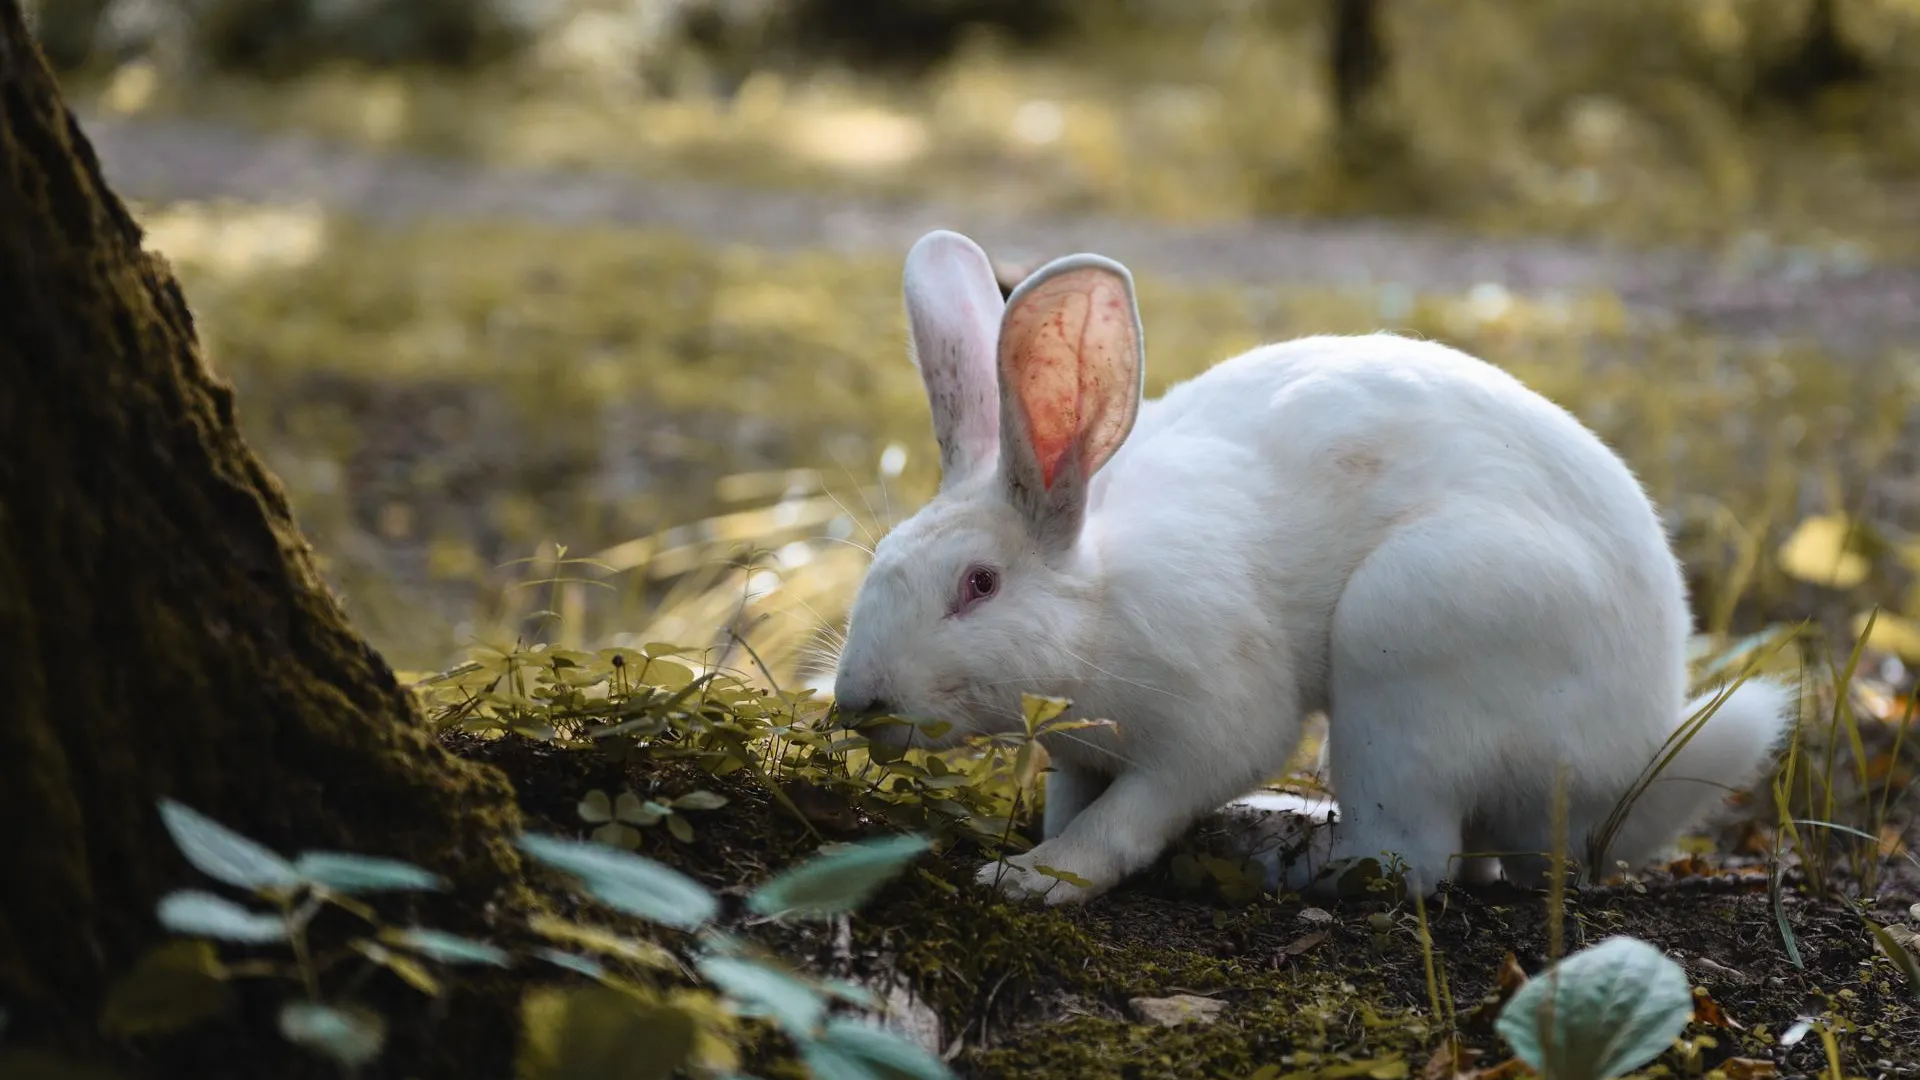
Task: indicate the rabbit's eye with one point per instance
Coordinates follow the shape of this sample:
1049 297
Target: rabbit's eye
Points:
979 583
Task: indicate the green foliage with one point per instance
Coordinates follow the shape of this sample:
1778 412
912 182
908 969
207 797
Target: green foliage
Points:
1600 1013
617 818
361 874
224 855
631 883
203 914
625 1024
351 1036
839 880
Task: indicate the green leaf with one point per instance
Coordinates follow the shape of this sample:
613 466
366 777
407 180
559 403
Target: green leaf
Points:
594 809
681 828
174 986
838 882
202 914
446 948
699 800
406 967
631 883
616 834
595 1033
364 873
1038 710
852 1050
578 964
225 855
1067 876
351 1036
795 1006
630 809
639 953
1600 1013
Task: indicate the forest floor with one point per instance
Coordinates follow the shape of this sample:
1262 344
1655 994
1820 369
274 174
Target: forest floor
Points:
1029 993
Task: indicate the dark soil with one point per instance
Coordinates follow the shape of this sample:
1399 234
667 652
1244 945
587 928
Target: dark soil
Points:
1030 992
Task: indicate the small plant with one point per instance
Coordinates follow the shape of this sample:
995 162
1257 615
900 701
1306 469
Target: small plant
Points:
1600 1013
621 819
183 982
631 1025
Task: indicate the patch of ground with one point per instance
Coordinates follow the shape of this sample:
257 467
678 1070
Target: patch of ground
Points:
1029 992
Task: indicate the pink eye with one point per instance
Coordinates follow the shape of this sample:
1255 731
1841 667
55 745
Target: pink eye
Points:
979 583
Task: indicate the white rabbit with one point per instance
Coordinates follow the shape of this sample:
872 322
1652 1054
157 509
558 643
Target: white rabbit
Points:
1469 582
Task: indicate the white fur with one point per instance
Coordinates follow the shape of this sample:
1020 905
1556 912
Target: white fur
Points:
1473 586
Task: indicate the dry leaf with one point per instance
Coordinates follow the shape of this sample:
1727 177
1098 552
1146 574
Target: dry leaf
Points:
1303 943
1892 633
1707 1011
1744 1068
1818 553
1509 980
1450 1061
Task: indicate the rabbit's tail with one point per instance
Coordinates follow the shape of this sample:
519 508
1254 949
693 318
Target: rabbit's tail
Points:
1727 753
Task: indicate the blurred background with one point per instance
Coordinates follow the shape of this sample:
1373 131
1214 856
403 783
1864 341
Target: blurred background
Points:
579 320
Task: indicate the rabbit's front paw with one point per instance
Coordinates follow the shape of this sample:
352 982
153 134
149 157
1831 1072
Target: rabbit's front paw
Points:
1018 878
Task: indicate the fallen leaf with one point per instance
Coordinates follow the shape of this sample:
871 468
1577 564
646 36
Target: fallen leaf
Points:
1305 942
1177 1010
1744 1068
1507 982
1707 1011
1452 1060
1818 553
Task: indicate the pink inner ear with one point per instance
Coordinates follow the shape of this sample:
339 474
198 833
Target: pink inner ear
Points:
1071 353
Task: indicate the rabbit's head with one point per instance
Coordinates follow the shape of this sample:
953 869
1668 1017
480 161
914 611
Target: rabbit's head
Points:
986 592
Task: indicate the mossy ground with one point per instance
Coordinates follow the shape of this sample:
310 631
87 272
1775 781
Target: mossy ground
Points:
1029 991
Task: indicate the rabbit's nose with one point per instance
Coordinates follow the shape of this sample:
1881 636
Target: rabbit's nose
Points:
855 709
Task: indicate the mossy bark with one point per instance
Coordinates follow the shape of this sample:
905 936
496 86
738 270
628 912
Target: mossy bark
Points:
163 627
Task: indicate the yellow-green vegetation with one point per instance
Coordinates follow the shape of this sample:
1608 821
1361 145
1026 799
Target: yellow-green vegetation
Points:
444 399
1649 120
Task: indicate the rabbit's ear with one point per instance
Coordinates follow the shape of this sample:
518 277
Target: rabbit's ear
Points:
953 313
1071 365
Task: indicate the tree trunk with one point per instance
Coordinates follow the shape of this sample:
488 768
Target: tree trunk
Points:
162 623
1822 59
1356 57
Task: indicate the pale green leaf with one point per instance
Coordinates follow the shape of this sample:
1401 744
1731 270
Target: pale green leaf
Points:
202 914
225 855
795 1006
631 883
606 942
578 964
852 1050
1600 1013
837 882
351 1036
594 808
699 800
361 873
446 948
406 967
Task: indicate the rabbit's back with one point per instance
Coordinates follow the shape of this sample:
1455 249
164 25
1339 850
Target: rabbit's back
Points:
1375 428
1276 474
